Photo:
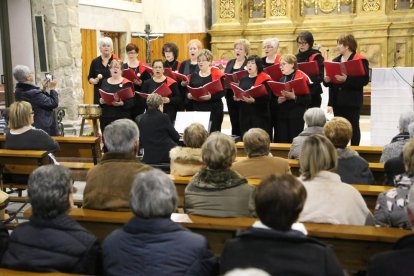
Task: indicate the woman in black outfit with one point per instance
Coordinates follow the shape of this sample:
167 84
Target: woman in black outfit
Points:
291 107
118 109
170 52
209 102
99 69
142 74
241 50
171 103
254 112
306 54
188 67
345 99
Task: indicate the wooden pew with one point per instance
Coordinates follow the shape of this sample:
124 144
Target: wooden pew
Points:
10 272
353 245
20 163
368 192
369 153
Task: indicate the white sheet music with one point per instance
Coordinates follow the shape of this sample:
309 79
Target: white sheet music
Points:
184 119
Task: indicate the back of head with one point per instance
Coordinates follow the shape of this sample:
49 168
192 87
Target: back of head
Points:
121 136
317 154
218 151
279 200
406 118
49 188
195 135
154 101
408 156
21 73
338 131
19 115
256 142
153 194
314 116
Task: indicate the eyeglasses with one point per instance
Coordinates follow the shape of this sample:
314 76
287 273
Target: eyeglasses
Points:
132 53
283 64
268 47
301 42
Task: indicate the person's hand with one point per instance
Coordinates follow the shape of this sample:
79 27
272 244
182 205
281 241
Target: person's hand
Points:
165 100
329 109
101 101
184 83
326 79
205 97
281 100
138 81
236 99
248 99
341 78
289 95
52 84
93 81
120 103
190 97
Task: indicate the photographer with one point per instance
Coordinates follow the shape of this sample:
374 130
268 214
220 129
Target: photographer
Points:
43 100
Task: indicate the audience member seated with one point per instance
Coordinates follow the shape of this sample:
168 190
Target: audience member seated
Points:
272 244
218 191
390 209
150 243
4 238
108 184
51 241
158 135
21 135
314 119
187 160
43 100
399 261
352 168
259 164
395 165
394 148
329 200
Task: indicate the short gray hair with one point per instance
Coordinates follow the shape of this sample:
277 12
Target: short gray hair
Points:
273 41
21 72
121 136
105 41
406 118
153 194
154 101
314 116
49 187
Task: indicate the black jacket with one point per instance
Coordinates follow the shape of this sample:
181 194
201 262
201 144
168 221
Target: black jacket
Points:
349 93
4 239
42 104
279 253
157 136
396 262
50 245
393 167
156 246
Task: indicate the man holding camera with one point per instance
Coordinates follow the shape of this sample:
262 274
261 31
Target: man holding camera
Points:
43 100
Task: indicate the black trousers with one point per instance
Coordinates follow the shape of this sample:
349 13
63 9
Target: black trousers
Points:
288 128
352 115
233 108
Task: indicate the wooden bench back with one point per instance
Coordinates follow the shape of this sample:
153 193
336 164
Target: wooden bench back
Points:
369 153
22 161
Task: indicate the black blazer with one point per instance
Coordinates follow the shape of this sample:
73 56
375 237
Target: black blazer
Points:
157 136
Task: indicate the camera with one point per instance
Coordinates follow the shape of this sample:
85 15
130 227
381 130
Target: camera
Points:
48 77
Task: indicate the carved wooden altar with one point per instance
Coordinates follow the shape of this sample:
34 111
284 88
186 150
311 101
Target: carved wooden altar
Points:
384 29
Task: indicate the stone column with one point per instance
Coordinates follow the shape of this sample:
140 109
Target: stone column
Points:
63 40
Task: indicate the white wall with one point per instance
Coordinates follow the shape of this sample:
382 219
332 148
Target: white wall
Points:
21 32
166 16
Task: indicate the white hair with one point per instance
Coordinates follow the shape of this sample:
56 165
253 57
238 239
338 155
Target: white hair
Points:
406 118
121 136
105 41
247 272
272 41
21 72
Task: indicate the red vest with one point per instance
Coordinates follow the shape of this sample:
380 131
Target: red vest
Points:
299 74
170 81
216 73
358 56
261 78
277 59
